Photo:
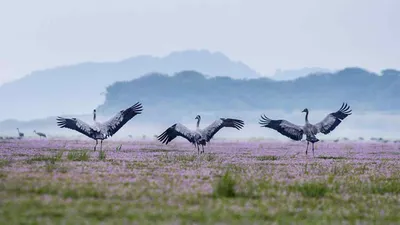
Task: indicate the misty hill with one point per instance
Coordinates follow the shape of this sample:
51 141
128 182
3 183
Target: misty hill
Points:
294 74
179 98
190 92
77 89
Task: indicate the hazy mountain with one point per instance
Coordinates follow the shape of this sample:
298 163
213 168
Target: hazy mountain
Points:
180 97
77 88
188 91
294 74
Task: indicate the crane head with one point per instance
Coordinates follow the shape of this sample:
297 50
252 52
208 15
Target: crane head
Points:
94 114
305 110
197 117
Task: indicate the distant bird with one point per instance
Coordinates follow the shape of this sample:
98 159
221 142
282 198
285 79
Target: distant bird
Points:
20 134
101 131
295 132
40 134
199 136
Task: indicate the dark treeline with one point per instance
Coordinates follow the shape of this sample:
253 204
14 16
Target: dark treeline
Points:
189 91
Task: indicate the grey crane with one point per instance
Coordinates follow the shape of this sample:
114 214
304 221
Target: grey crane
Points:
101 131
40 134
20 134
199 136
295 132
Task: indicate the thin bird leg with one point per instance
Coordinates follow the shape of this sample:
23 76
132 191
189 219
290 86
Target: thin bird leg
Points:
95 145
198 149
202 146
307 147
101 145
313 149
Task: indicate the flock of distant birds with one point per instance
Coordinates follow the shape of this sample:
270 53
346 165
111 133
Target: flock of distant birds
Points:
200 137
22 135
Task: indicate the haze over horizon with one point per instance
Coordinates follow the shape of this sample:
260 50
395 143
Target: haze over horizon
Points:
265 35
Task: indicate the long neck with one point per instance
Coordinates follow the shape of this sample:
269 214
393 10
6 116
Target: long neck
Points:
198 123
307 117
94 116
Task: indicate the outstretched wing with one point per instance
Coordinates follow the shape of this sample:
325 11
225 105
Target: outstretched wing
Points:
332 120
76 124
284 127
177 130
114 124
213 128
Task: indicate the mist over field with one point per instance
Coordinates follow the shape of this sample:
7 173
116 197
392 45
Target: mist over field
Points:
359 124
179 97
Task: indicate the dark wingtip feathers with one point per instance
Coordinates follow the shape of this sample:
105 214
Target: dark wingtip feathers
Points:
137 107
264 121
235 123
345 109
164 137
343 112
61 122
238 124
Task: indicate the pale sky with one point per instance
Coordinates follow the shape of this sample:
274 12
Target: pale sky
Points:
264 34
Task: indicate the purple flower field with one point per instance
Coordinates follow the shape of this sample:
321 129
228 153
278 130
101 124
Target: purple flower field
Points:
144 182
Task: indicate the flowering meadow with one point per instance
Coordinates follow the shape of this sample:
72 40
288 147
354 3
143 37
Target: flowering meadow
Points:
234 182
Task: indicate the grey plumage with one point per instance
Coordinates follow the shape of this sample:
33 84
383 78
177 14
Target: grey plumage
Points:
20 134
296 132
40 134
101 131
199 136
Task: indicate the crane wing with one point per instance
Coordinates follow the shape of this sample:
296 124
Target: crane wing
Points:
76 124
332 120
284 127
177 130
114 124
213 128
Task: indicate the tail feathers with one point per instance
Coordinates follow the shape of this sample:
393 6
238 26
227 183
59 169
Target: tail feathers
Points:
312 139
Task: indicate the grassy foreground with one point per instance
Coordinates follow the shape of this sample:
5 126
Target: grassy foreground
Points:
233 183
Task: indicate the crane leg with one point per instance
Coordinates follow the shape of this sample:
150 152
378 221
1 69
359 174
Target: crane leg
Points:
101 145
313 149
307 147
198 149
95 145
202 148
